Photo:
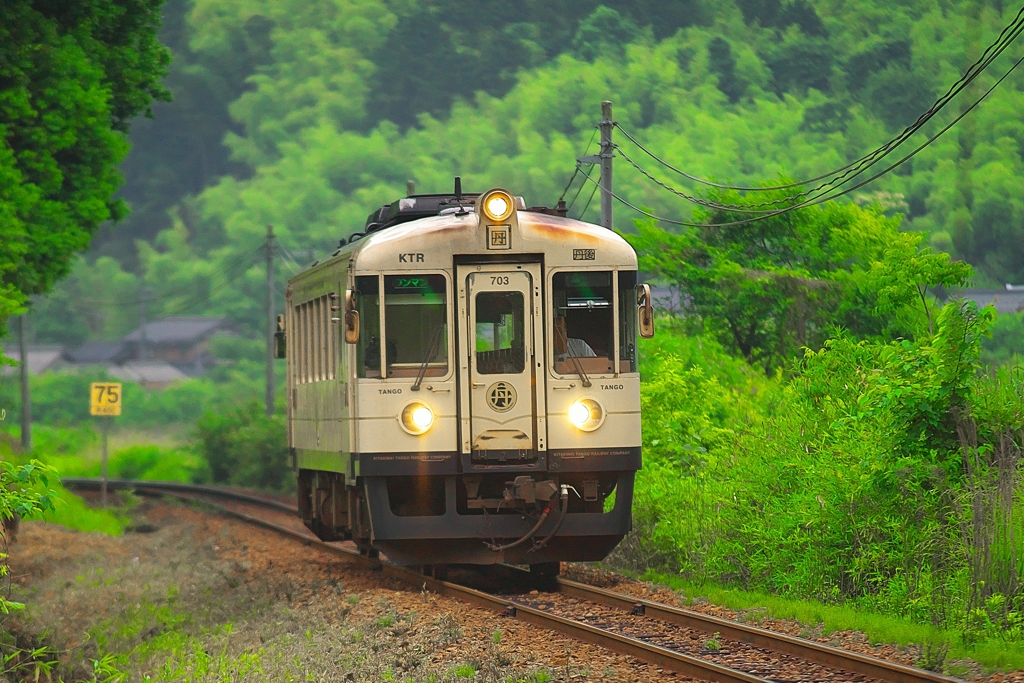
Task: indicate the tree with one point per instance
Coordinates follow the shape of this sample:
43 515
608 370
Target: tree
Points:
769 287
72 75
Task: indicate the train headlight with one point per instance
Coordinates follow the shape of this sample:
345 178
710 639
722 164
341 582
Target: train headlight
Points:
498 205
417 418
586 414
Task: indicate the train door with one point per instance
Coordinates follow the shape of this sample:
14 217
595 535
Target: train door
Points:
499 340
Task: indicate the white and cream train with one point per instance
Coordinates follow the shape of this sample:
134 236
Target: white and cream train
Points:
463 384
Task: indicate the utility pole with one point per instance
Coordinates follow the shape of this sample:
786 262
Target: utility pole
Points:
143 345
606 126
271 325
26 397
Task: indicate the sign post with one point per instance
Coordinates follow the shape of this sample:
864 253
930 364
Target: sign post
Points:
105 402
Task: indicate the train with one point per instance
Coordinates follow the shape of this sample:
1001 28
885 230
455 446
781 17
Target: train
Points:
463 386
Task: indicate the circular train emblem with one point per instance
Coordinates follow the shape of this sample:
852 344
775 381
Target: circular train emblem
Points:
501 396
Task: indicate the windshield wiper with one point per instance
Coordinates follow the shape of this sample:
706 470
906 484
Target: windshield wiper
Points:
577 365
426 359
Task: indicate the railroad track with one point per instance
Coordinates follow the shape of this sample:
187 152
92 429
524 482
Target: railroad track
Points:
660 634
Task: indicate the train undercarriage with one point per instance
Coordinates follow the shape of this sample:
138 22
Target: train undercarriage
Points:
481 518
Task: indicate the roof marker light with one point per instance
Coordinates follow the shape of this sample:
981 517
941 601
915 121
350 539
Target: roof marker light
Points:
498 205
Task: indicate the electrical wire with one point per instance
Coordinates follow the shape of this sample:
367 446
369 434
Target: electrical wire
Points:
821 198
1005 38
590 199
290 261
575 172
200 299
579 189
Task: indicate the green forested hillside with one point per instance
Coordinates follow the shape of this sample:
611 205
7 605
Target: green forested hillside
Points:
308 114
814 427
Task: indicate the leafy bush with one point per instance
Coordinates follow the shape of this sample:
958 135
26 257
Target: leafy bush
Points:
848 480
158 464
245 448
61 399
1006 345
767 289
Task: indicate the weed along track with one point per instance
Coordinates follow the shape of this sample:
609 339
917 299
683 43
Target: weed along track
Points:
672 639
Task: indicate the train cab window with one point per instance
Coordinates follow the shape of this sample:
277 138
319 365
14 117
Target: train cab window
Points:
416 325
500 338
368 305
627 321
583 322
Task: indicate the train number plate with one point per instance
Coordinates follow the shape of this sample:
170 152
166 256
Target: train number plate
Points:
584 254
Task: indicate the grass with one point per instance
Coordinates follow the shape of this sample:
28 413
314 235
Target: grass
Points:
71 511
879 628
76 452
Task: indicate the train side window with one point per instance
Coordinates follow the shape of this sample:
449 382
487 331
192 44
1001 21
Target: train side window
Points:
627 321
298 352
368 305
314 348
583 322
500 338
416 325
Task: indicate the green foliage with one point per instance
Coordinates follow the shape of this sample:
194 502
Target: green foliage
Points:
1006 345
876 475
158 464
465 671
72 80
307 97
245 448
60 399
768 288
604 33
71 511
24 493
23 490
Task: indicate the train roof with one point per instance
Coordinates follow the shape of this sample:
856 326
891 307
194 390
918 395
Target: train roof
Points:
404 242
562 241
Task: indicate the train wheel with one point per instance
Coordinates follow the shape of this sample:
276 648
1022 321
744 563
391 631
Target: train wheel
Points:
546 570
437 571
368 550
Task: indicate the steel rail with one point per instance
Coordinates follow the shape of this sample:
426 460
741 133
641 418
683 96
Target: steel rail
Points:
647 652
759 637
173 486
854 662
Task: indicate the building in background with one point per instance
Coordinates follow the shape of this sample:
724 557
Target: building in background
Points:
152 374
41 358
1010 299
168 350
183 342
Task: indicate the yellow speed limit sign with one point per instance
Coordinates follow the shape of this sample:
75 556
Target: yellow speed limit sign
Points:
105 398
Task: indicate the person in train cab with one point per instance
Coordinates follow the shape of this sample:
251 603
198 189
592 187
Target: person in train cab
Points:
566 345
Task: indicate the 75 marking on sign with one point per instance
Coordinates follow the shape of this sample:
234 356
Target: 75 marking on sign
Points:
105 398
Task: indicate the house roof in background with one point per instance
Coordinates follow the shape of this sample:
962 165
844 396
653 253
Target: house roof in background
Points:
40 358
147 372
178 329
99 351
1004 300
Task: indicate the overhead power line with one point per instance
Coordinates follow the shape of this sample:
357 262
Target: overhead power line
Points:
574 173
823 197
587 205
1005 38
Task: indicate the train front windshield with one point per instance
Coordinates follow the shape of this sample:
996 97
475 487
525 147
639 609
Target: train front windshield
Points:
416 325
583 322
415 329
